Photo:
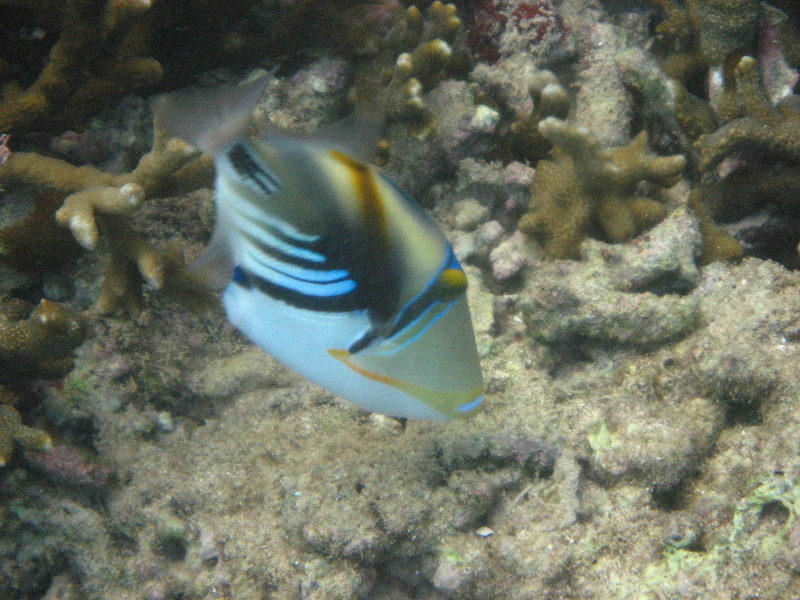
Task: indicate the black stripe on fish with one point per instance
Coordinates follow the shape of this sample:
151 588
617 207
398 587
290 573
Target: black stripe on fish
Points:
250 169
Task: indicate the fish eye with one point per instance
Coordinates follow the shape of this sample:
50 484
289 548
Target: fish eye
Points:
452 283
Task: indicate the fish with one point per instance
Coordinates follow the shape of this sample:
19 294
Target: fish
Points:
326 263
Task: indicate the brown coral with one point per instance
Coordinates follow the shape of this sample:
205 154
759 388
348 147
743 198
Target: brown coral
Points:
588 191
701 33
99 201
409 62
758 155
766 130
36 342
100 55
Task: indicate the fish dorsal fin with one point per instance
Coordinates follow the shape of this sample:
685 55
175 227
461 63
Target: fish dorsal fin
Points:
209 118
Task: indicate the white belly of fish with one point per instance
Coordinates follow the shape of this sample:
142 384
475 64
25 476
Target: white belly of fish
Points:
300 339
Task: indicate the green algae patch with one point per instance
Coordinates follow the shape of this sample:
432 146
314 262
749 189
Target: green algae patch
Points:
762 524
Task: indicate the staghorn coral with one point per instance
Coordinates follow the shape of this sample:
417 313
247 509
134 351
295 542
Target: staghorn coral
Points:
101 55
96 200
408 63
588 191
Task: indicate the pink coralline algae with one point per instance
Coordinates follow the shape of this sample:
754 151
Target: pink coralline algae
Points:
70 466
492 18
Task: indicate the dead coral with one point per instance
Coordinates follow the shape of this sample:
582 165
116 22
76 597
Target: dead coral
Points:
589 191
101 55
616 293
12 430
99 201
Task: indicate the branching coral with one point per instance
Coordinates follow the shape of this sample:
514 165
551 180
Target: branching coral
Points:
100 55
588 191
550 99
766 130
34 343
759 155
698 34
408 63
99 201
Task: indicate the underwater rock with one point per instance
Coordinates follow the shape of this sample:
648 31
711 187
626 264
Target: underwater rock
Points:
625 294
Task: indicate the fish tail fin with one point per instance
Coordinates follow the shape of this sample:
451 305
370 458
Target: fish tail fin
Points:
209 118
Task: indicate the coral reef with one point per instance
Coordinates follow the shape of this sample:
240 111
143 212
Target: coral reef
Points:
588 191
101 55
639 431
96 200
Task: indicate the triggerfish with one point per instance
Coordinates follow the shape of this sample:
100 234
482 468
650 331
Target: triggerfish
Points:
327 264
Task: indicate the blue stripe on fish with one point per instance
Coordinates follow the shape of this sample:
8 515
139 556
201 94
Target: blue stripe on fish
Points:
465 408
299 273
251 170
336 296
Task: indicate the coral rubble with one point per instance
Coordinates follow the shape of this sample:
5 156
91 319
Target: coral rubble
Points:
632 295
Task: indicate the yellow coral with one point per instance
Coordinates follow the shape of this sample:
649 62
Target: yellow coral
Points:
588 191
